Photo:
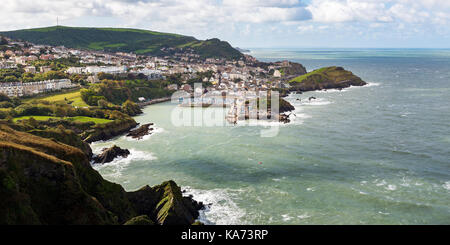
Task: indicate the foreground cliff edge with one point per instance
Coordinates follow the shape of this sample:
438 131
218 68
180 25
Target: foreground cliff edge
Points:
43 181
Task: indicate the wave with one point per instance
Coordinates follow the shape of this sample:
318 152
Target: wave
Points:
304 216
316 102
220 209
286 217
446 185
372 84
117 166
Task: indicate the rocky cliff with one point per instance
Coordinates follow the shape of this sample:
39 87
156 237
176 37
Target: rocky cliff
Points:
44 181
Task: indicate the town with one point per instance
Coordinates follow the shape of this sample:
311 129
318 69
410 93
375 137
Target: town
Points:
20 61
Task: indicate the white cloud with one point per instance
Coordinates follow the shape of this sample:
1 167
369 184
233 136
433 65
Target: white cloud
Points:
234 18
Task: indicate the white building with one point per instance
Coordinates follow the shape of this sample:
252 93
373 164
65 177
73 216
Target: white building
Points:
106 69
21 89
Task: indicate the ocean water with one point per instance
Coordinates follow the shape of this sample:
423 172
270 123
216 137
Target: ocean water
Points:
378 154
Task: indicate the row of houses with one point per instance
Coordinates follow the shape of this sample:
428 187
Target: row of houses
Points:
97 69
20 89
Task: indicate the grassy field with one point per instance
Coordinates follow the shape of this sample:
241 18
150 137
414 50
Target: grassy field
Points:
74 97
315 72
77 119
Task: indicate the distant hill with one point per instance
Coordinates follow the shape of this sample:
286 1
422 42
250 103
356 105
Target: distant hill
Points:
123 40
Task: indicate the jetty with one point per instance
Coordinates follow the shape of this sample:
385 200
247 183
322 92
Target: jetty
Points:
155 101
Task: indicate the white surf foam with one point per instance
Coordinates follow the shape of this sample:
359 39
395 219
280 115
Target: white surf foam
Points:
391 187
222 211
316 102
446 185
119 164
372 84
146 137
286 217
304 216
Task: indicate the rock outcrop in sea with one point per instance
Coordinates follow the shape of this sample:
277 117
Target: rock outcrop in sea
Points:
109 154
140 132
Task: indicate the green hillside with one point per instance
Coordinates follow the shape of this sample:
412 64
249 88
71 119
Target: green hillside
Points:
123 40
326 78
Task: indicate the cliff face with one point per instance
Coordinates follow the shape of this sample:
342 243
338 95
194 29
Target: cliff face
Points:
43 181
326 78
108 130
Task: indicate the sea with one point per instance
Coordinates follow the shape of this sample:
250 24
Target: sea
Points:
378 154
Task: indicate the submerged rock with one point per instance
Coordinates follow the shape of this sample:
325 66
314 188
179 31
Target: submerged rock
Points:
109 154
141 131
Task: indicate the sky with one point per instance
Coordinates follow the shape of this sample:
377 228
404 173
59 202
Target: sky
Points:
254 23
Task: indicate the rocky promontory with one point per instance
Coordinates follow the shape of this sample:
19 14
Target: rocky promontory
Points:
108 130
47 182
325 78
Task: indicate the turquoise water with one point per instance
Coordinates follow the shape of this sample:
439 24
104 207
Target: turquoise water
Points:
378 154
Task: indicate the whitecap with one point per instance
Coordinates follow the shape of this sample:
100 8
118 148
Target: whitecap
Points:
383 182
446 185
310 189
304 216
391 187
120 163
286 217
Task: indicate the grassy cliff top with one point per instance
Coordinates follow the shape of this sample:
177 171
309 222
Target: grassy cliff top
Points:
123 40
326 74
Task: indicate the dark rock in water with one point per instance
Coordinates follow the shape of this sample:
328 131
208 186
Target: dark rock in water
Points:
140 220
165 204
284 118
110 154
285 106
141 131
312 98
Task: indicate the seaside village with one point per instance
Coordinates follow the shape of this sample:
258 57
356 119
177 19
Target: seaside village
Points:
239 79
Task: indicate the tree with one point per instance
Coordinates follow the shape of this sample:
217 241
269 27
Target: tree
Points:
131 108
4 97
11 79
102 104
28 77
